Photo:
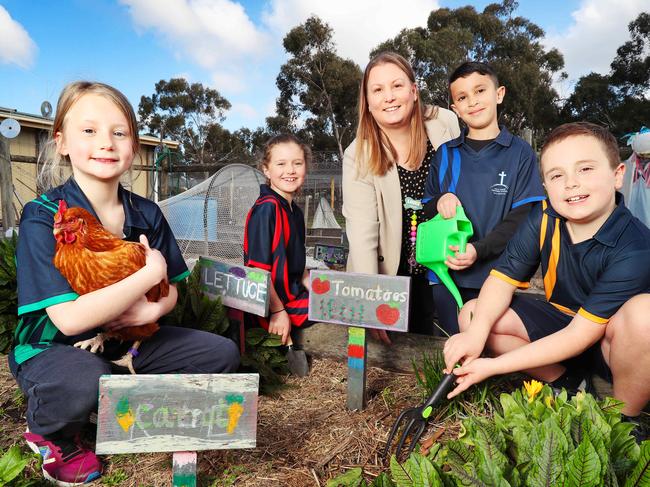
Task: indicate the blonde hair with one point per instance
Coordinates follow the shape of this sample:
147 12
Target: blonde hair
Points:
265 159
373 145
50 160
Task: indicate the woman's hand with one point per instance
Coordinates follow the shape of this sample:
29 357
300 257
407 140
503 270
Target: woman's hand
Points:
473 373
155 261
462 260
280 324
140 313
447 205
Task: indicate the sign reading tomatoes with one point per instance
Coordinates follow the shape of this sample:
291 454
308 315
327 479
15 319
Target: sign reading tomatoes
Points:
363 300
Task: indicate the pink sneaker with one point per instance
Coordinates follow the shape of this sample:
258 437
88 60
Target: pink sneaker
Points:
65 462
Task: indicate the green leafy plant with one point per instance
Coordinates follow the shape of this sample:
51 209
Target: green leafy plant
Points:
116 477
354 478
8 292
538 440
265 356
12 463
229 476
194 309
428 374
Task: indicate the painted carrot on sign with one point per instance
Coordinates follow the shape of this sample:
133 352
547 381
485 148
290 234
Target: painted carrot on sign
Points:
124 414
235 410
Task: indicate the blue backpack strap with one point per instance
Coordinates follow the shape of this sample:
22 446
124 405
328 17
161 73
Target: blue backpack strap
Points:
444 165
455 170
444 162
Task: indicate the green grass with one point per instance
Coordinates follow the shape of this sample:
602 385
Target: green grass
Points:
480 399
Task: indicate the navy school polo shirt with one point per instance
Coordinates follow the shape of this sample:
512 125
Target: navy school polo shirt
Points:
593 278
489 184
274 240
41 285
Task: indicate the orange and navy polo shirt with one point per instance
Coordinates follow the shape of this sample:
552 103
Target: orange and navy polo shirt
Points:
593 278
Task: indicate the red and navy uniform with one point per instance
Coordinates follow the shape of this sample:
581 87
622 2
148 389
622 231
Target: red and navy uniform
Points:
274 240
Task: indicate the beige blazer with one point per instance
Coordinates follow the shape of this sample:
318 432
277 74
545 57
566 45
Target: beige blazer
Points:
372 205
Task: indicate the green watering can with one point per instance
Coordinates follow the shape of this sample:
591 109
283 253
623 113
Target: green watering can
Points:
432 245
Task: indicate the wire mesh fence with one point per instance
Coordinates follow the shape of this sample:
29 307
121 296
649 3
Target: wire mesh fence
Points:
321 197
209 217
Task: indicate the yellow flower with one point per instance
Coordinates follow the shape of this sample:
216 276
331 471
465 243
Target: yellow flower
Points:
532 389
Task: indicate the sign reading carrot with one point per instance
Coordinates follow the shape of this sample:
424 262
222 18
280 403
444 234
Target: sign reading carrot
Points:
362 300
155 413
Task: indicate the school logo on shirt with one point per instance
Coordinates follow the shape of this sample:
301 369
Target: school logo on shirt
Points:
500 189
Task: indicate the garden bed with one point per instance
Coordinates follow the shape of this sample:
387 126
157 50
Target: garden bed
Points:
305 433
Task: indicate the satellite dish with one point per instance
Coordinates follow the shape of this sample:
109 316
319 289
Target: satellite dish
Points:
9 128
46 109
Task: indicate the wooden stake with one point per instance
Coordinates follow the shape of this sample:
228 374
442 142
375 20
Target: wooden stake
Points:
184 469
357 348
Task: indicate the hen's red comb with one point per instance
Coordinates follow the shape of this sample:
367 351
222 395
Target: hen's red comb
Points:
63 206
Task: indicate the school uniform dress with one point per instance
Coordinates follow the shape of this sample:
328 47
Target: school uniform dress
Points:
491 183
593 278
274 240
60 381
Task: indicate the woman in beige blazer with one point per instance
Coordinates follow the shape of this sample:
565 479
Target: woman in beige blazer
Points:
393 132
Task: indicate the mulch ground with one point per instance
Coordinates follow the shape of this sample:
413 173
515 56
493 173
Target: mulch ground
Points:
305 434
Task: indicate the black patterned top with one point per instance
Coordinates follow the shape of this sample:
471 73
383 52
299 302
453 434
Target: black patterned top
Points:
412 185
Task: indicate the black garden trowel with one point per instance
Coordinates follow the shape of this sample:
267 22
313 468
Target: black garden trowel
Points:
297 359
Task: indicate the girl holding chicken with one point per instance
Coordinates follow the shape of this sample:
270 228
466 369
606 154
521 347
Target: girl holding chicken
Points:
95 130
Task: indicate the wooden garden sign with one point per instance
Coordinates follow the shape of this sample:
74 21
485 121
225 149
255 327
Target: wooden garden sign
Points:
173 413
240 287
360 301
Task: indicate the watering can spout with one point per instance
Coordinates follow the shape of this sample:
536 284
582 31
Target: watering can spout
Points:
432 245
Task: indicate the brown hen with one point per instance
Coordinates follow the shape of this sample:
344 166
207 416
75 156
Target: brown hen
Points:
91 258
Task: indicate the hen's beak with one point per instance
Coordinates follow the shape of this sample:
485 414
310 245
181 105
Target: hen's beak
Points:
56 231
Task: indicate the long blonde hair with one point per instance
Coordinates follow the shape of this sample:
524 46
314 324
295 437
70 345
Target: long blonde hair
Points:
373 145
49 159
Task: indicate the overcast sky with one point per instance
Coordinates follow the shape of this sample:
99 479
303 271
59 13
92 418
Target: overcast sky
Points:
236 46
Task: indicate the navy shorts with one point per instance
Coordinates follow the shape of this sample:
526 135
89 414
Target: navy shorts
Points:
542 319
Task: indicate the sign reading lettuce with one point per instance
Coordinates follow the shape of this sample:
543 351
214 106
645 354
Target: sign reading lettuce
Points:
240 287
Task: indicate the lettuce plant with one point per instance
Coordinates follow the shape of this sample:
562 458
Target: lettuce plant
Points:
539 440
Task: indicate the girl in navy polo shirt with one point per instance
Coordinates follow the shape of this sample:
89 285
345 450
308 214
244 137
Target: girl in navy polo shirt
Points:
95 131
274 238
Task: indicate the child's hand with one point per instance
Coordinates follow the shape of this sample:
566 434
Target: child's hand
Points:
141 312
280 324
461 260
154 260
380 335
468 375
447 205
462 348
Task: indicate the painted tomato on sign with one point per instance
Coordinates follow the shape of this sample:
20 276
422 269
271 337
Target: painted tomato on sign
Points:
387 314
320 286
